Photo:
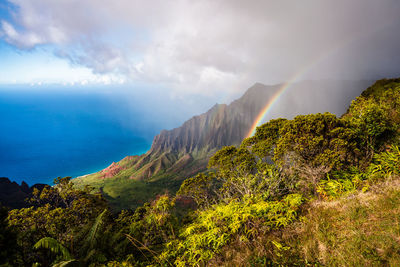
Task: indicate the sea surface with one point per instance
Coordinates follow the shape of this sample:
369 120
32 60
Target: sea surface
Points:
49 133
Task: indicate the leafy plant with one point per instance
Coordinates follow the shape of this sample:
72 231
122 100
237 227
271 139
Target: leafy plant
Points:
54 246
214 228
89 251
386 164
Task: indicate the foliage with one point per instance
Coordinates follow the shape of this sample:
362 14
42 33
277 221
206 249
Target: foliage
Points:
54 246
313 190
89 252
202 188
358 231
94 231
150 227
263 143
214 228
375 115
231 161
60 213
386 164
333 188
313 145
8 244
242 173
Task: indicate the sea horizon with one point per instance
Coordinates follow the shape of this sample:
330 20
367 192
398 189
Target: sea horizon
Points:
60 133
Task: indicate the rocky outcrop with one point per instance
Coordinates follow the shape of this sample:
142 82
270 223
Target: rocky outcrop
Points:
111 170
13 195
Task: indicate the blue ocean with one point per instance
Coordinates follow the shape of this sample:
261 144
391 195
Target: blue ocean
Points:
49 133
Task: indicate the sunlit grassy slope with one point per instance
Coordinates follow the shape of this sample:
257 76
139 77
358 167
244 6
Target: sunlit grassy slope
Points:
359 229
123 192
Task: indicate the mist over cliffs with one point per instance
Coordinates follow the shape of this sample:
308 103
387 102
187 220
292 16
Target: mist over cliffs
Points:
184 151
224 124
221 125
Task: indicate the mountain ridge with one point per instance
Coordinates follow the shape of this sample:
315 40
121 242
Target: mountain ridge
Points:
13 195
182 152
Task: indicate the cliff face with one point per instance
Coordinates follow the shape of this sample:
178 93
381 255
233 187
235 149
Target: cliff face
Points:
175 151
222 125
184 151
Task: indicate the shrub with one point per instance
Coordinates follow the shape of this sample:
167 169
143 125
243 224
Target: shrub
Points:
214 228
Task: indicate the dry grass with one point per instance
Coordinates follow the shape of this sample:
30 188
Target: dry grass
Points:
358 230
362 229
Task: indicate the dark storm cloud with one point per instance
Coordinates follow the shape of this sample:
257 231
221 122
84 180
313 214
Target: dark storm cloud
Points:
202 46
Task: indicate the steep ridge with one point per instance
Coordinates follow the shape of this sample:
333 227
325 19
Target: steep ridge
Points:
13 195
220 126
173 151
184 151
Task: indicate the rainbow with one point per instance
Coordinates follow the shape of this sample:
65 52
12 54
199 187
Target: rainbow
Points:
268 106
285 86
296 77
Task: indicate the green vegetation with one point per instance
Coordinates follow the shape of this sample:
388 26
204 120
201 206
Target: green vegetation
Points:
315 190
123 192
358 231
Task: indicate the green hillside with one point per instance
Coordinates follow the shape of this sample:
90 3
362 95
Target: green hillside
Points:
121 191
184 151
316 190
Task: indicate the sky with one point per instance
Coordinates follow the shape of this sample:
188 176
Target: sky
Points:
190 47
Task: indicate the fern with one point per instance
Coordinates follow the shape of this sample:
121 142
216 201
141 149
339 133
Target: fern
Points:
385 164
66 263
93 233
94 256
54 246
214 228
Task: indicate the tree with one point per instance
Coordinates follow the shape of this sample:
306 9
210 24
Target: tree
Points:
263 142
61 212
376 116
202 188
90 252
312 145
8 240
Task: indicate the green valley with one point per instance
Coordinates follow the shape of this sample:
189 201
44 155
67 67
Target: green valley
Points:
315 190
184 151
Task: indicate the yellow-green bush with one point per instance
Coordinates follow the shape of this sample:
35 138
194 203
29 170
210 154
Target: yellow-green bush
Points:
215 227
386 163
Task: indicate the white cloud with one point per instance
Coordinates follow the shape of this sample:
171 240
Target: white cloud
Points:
26 40
201 46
